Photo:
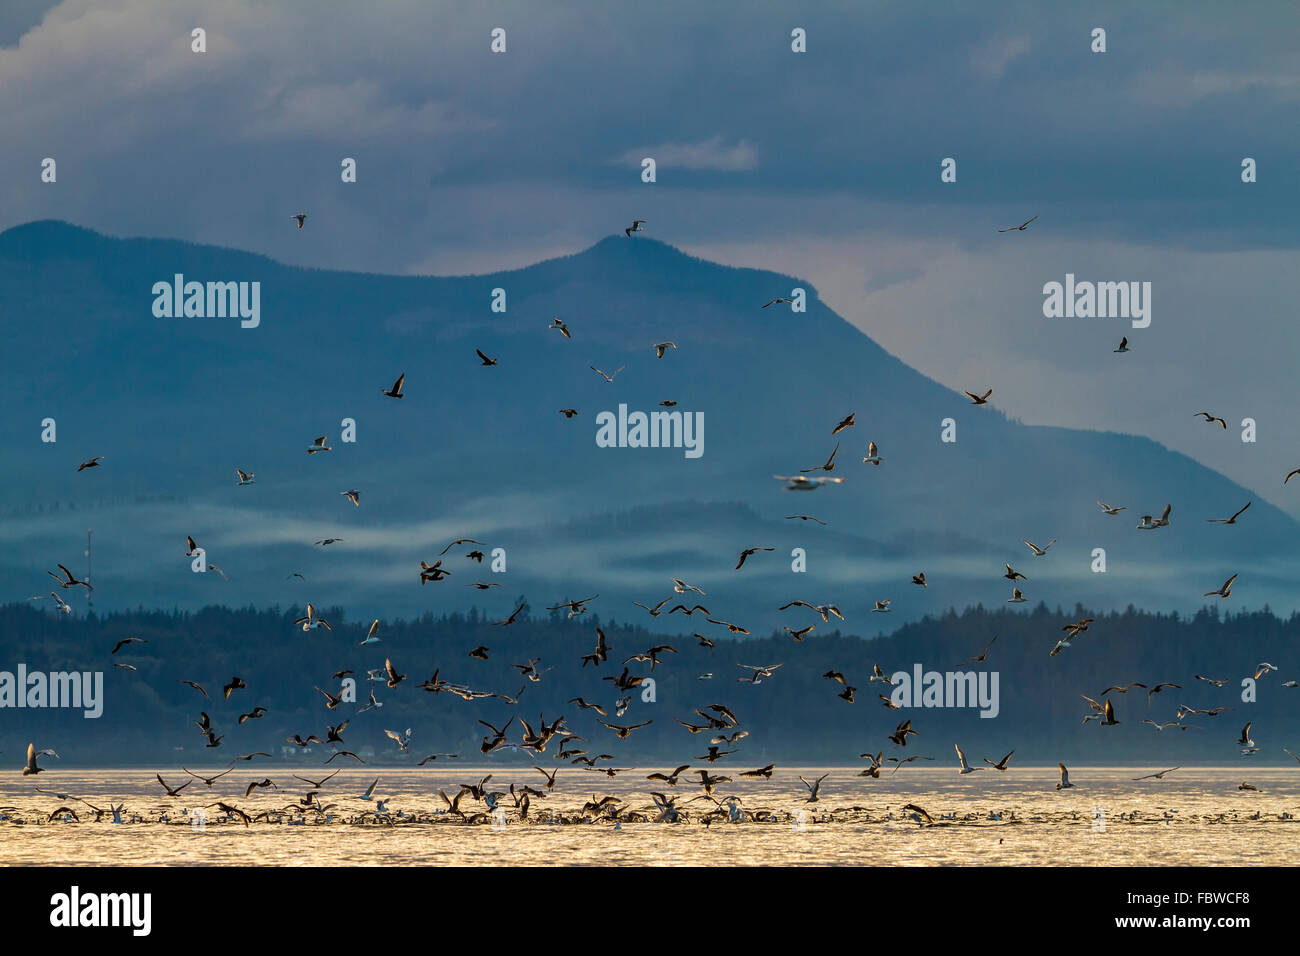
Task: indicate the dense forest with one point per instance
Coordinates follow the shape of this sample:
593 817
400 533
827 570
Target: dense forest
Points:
794 716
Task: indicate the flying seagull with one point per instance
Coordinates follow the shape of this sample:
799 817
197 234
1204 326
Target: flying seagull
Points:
1223 592
310 622
575 607
623 731
1160 775
961 758
560 327
1001 764
747 552
509 620
979 399
1150 524
396 390
301 217
814 788
32 754
899 736
208 781
94 463
760 673
1210 419
981 656
170 792
830 462
370 635
68 580
845 423
661 347
458 541
1038 552
921 816
1167 724
486 361
1123 344
825 610
1020 228
1109 510
635 227
1233 519
608 378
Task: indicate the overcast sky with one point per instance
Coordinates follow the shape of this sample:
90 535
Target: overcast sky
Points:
824 165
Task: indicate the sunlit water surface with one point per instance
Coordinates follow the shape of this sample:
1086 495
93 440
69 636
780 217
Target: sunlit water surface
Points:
1192 816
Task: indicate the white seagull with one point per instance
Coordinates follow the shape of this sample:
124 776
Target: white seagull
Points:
311 621
370 636
1150 524
965 767
1038 552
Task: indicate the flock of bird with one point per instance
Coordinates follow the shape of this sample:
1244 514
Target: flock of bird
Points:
720 723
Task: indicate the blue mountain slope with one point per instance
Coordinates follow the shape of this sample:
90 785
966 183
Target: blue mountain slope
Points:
176 404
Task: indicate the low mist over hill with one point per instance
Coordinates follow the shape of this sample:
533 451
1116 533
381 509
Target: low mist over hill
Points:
176 404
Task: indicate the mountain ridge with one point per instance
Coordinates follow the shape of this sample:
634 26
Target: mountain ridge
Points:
176 404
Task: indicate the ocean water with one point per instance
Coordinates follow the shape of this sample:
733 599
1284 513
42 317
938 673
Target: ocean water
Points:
1195 815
